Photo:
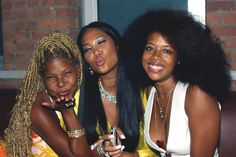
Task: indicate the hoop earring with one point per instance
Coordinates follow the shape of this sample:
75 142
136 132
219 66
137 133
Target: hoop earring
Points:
91 71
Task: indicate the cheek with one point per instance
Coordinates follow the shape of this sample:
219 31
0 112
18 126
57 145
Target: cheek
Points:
111 50
114 57
49 85
171 62
88 57
111 55
144 59
74 78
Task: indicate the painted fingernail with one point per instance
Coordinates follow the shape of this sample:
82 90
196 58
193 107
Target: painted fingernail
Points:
111 136
118 147
93 146
122 136
122 147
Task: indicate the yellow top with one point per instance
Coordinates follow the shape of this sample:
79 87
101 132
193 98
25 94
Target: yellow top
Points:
143 149
41 149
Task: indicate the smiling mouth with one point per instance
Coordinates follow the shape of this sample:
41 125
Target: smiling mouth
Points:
155 68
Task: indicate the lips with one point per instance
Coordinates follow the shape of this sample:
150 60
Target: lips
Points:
155 68
100 61
64 93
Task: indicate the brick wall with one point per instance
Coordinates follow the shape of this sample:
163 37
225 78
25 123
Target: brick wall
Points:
221 17
25 21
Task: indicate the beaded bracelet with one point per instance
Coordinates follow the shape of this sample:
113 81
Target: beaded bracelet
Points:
76 133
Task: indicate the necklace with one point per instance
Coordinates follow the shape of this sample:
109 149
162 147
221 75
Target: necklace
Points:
161 108
160 143
105 93
162 116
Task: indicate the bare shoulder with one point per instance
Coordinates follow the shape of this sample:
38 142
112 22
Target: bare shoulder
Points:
39 114
198 100
36 107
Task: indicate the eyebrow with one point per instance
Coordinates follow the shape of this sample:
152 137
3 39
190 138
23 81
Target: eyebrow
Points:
96 37
161 45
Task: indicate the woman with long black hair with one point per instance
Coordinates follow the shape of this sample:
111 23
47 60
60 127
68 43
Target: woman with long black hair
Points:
108 98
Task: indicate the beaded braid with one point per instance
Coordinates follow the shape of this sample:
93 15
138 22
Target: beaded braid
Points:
18 134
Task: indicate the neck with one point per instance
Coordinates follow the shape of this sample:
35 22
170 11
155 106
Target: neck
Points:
105 94
163 88
109 83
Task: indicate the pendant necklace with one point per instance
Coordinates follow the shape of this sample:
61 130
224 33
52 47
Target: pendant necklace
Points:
161 108
105 93
162 117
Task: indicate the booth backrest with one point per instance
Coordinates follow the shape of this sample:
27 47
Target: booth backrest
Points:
228 120
228 127
7 100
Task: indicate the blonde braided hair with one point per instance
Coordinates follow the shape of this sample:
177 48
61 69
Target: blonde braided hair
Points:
18 134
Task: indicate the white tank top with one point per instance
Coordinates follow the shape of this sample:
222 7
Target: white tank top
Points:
178 142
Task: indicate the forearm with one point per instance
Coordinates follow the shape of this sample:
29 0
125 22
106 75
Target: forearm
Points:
78 138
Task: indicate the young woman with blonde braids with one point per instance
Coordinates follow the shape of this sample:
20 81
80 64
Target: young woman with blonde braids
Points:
44 119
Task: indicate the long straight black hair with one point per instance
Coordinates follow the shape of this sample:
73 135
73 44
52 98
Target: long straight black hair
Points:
129 103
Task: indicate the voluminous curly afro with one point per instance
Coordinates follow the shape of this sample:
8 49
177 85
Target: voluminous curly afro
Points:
200 53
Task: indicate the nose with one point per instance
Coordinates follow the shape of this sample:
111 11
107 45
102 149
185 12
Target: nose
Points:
97 51
156 56
61 82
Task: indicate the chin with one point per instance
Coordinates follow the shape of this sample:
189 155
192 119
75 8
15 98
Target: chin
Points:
154 77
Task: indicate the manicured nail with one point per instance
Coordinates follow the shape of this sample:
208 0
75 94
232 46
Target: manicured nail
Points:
118 147
93 146
111 136
122 147
122 137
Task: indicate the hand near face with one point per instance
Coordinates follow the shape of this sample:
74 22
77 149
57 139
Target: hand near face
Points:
60 104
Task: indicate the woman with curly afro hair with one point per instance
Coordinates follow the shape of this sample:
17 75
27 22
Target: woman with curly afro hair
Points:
185 66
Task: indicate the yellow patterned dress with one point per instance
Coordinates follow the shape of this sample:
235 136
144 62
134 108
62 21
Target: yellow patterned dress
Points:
2 148
39 147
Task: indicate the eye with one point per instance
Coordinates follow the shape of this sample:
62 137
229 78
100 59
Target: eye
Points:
88 49
49 78
101 41
148 48
68 72
167 51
